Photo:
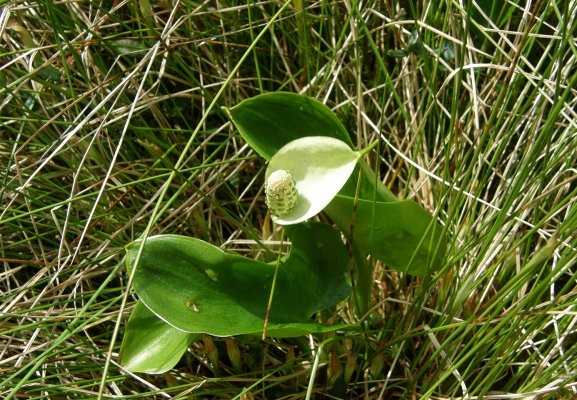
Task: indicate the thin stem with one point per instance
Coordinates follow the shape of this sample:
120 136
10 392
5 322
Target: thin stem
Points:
314 372
273 285
368 149
352 230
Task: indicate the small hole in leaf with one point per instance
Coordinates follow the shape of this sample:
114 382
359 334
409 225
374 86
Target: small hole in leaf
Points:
193 306
211 275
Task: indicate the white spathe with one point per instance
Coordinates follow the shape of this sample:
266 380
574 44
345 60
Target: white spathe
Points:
320 167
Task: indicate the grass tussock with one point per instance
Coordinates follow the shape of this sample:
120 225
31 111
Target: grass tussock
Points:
111 127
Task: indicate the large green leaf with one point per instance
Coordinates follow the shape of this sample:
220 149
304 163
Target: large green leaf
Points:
401 234
151 345
370 188
271 120
197 287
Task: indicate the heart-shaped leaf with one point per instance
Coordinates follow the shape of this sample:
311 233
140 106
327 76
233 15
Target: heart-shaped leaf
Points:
197 287
401 234
150 345
271 120
320 166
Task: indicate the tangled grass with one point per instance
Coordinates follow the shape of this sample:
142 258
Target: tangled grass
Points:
476 107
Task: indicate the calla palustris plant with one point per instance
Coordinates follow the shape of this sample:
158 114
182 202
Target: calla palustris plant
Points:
399 233
188 287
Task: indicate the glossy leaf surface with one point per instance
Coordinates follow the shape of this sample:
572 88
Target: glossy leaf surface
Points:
320 166
393 232
197 287
270 121
150 345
